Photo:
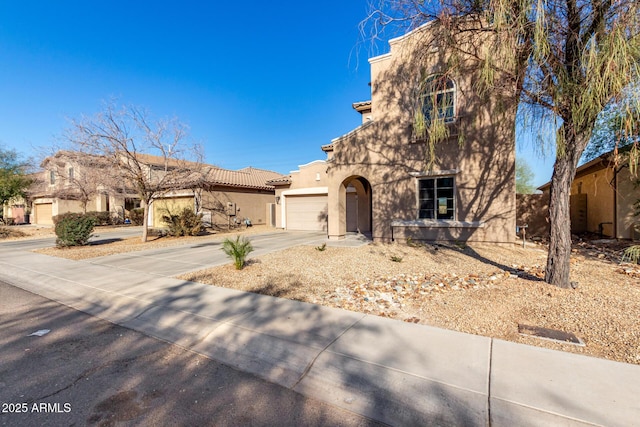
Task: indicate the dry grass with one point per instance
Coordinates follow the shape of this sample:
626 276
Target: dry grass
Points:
21 232
485 291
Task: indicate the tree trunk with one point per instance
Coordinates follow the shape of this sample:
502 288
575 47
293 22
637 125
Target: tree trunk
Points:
145 220
564 170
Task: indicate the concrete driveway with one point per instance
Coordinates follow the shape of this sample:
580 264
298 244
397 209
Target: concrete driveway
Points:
175 260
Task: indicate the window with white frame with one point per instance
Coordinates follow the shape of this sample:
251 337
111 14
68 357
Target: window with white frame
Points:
436 198
438 98
52 177
71 175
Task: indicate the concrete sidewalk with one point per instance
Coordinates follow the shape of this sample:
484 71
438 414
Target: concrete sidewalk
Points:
391 371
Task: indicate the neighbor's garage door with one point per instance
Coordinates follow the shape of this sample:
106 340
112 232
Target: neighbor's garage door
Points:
44 213
173 205
306 212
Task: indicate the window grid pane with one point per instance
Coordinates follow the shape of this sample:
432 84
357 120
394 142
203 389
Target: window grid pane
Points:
439 95
436 198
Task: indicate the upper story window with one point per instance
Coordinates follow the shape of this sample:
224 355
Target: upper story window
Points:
52 177
436 198
438 98
71 174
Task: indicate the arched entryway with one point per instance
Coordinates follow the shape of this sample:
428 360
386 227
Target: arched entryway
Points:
357 203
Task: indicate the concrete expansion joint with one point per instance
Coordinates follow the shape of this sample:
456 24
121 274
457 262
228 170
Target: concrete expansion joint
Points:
489 382
310 365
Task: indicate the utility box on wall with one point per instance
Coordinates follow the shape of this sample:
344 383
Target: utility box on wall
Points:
231 209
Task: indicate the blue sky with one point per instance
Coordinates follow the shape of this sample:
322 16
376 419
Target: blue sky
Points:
249 78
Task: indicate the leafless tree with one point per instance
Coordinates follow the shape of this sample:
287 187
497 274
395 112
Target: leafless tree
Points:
152 157
78 176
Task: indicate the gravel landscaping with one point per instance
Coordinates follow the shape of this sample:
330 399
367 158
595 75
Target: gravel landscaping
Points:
486 291
483 290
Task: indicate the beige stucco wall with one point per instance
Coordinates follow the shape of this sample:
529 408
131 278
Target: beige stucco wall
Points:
600 198
532 210
252 205
627 194
480 154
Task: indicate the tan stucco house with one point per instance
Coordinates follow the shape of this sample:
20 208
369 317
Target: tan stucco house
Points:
72 182
602 199
377 179
221 195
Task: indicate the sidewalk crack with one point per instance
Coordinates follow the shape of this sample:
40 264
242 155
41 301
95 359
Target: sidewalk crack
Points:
310 365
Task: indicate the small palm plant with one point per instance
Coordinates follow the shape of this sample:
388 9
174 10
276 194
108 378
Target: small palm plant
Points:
237 250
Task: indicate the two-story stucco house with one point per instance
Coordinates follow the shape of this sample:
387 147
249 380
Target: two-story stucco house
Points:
387 180
76 182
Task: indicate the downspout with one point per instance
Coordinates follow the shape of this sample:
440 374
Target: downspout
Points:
614 184
615 203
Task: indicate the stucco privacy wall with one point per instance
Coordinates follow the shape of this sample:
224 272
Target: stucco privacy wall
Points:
479 154
596 184
532 210
627 194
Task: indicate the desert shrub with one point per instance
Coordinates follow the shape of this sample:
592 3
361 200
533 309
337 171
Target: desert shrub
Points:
186 223
102 218
135 216
632 254
237 250
321 248
396 258
73 229
6 232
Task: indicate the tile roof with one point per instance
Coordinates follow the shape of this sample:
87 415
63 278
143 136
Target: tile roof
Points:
249 177
202 174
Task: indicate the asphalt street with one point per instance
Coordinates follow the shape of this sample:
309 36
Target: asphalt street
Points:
86 371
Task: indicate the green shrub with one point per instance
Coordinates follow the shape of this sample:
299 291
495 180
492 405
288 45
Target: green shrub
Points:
186 223
73 229
237 250
102 218
396 258
135 216
321 248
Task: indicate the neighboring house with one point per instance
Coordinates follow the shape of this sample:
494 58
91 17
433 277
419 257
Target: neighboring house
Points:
15 211
70 182
376 179
224 197
73 182
602 199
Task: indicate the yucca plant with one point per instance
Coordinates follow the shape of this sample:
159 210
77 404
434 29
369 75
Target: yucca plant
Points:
632 254
237 250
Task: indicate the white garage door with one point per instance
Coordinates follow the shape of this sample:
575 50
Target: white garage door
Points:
307 213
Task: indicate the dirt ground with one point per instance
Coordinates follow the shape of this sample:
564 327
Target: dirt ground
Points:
483 290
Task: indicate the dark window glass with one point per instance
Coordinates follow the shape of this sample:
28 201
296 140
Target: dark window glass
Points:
436 198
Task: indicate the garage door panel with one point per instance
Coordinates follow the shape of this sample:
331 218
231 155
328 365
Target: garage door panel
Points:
308 213
44 213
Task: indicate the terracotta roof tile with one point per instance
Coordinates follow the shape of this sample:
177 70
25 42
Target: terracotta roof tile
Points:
249 177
